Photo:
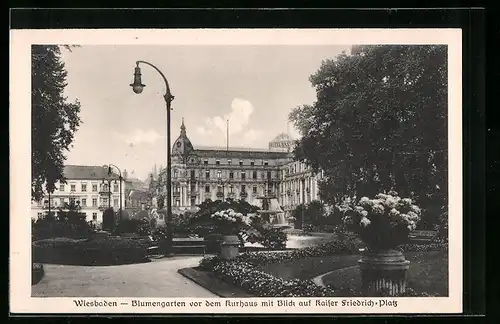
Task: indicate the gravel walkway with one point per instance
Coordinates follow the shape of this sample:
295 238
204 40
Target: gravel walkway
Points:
155 279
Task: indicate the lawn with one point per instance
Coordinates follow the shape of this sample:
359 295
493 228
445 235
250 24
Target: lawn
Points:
309 268
428 273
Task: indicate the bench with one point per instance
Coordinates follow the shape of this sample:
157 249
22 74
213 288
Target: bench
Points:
154 249
422 236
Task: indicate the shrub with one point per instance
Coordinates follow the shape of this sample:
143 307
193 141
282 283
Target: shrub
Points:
37 273
65 224
270 237
137 226
98 251
246 276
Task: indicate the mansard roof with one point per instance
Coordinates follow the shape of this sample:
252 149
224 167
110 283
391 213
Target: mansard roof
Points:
240 153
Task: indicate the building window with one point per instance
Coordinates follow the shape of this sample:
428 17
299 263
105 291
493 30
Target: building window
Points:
231 175
252 163
175 173
62 187
94 216
84 202
193 201
73 188
243 175
84 187
115 202
205 162
207 188
94 202
94 188
231 189
219 189
193 174
39 214
254 175
219 174
105 201
268 174
177 203
217 162
115 188
229 161
207 174
241 163
254 190
243 188
266 163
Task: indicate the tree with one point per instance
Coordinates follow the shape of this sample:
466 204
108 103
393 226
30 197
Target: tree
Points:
379 123
54 120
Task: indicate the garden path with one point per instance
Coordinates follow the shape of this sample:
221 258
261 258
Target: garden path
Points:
154 279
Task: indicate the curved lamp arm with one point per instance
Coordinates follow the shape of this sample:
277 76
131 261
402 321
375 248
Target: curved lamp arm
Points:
117 168
168 95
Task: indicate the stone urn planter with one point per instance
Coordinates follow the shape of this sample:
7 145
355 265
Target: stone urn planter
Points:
229 247
383 272
382 223
213 243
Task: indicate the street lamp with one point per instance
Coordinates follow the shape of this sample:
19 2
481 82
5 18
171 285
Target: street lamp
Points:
137 87
120 178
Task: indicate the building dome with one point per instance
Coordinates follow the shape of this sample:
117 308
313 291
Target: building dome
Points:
282 142
182 146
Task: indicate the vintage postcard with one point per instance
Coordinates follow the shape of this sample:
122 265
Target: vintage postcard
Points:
236 171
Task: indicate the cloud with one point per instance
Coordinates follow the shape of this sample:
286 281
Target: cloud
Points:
238 117
139 136
213 131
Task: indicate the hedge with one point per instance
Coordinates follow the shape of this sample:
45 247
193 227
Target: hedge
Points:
37 273
97 251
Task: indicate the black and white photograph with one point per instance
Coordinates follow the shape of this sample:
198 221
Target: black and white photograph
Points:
316 173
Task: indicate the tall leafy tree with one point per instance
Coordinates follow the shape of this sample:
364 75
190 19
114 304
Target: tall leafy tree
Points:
379 123
54 119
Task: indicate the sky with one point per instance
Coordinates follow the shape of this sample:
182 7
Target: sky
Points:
254 87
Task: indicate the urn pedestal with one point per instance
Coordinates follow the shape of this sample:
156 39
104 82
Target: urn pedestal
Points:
230 247
383 273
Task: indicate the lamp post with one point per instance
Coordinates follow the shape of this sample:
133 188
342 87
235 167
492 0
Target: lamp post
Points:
137 87
120 178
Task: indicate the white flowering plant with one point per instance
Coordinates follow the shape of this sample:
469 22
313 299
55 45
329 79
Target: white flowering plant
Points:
230 222
383 222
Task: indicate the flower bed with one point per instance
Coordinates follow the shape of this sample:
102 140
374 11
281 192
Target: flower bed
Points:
423 247
329 248
248 277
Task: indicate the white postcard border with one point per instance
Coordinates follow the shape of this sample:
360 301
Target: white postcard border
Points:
20 163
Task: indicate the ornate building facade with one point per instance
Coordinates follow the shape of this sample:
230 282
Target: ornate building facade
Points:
215 173
89 186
